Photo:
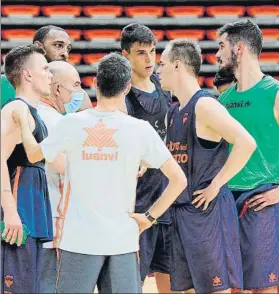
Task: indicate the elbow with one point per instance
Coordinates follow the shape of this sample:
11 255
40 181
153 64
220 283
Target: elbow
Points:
246 143
32 159
181 181
251 145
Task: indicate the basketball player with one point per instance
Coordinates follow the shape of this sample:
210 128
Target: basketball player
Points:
205 237
24 193
254 102
146 100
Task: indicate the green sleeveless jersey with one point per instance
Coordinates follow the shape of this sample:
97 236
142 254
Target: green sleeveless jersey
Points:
7 90
254 109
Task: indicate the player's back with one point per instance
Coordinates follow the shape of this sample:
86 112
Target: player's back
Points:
113 142
104 151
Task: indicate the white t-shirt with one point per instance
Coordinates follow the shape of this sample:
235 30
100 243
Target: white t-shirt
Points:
104 151
51 117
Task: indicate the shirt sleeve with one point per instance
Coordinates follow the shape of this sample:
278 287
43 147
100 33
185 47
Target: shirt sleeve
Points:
155 152
58 140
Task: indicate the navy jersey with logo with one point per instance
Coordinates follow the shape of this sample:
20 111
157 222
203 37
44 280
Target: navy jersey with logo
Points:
200 159
151 107
205 252
29 184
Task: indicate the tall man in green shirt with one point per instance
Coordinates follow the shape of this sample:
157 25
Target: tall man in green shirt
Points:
254 102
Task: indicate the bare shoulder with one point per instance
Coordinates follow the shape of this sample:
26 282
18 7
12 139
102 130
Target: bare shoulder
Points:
8 124
16 105
208 105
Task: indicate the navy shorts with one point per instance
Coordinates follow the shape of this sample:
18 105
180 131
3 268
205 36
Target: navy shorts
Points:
21 266
259 240
205 247
154 250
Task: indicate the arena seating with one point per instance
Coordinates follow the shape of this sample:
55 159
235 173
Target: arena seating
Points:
95 29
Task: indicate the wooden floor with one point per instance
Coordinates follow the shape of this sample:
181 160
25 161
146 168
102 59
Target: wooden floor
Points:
149 286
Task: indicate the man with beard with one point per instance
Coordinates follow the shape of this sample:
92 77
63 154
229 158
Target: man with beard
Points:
146 100
223 80
205 245
254 102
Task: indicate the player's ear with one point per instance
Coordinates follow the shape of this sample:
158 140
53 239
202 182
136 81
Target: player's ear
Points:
38 44
95 83
128 88
177 65
125 53
239 48
26 74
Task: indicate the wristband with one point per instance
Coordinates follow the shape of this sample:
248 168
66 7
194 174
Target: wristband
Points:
150 218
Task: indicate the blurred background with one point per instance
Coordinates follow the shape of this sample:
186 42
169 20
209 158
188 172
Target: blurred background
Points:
95 27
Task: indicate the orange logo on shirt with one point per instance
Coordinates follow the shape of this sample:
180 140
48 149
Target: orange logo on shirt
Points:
272 278
179 151
99 136
216 281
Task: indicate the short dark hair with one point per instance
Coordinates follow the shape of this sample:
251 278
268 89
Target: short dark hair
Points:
16 59
42 33
187 51
246 31
222 77
113 75
135 32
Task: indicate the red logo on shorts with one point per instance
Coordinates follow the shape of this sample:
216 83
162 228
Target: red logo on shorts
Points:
272 278
216 281
9 281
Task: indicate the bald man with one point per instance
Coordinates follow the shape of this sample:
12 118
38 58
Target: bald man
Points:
66 97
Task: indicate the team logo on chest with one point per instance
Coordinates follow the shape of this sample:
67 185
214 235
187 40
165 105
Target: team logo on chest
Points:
185 118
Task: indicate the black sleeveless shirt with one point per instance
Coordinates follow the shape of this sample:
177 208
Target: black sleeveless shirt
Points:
151 107
18 156
32 196
200 163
